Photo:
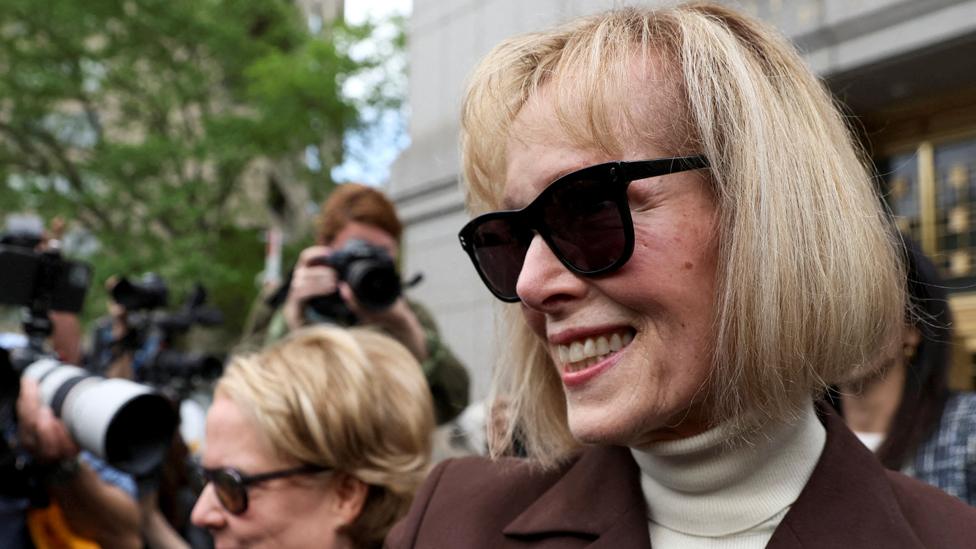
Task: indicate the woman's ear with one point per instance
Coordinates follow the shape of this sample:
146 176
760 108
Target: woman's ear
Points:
911 336
350 496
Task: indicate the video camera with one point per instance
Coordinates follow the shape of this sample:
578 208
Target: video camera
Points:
41 280
125 423
145 294
152 334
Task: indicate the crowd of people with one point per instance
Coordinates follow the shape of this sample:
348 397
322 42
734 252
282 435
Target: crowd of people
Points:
715 336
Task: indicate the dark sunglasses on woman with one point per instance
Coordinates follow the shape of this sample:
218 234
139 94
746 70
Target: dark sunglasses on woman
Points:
583 217
231 485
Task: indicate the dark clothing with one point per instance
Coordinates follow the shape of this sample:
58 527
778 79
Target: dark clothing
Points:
596 501
13 523
446 376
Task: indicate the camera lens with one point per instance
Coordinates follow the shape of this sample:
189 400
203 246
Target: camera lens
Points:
128 425
375 283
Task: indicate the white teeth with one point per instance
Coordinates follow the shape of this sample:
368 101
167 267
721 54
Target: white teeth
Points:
576 352
585 353
589 349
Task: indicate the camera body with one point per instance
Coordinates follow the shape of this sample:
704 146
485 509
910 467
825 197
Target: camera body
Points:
174 371
152 336
369 271
41 280
147 293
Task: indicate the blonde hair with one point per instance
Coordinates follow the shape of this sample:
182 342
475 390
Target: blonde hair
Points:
809 282
353 400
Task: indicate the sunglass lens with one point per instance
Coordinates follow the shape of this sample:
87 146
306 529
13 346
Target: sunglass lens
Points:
585 224
500 246
229 490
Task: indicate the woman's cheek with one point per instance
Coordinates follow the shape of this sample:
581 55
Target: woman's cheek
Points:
535 320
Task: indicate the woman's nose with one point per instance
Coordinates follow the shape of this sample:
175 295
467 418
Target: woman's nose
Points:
207 511
544 284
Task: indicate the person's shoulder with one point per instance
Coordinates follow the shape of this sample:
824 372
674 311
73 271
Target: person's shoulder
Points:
961 407
938 519
484 495
495 481
870 506
958 423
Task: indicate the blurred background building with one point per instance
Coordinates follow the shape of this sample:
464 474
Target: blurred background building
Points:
906 70
319 11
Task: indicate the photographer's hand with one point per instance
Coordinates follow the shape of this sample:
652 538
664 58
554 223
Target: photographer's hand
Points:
42 434
308 281
91 507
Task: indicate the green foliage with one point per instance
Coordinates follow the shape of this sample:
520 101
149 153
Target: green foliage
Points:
138 121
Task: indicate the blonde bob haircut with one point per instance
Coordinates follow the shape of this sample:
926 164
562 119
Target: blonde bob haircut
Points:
353 400
809 284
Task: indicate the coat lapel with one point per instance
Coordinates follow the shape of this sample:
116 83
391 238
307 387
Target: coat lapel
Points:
848 501
599 499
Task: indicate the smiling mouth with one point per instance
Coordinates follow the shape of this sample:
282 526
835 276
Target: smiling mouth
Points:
583 353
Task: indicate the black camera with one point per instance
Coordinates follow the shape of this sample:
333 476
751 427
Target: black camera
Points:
151 336
174 369
146 293
127 424
368 270
39 279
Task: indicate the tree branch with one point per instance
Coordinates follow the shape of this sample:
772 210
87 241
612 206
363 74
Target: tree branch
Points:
70 172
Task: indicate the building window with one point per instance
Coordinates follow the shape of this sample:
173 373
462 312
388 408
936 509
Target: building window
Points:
953 164
900 175
931 191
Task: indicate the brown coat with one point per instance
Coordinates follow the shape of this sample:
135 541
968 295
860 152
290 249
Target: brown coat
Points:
595 501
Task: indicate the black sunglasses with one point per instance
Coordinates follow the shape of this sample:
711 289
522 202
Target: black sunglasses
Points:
230 485
583 217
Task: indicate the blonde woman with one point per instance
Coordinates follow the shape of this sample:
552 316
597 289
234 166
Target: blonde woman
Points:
318 441
695 250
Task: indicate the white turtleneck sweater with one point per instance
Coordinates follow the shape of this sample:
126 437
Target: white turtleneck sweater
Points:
701 493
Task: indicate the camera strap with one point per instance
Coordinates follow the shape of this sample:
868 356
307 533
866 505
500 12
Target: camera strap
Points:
414 280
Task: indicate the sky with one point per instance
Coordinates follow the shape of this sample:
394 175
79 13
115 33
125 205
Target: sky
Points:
358 10
370 154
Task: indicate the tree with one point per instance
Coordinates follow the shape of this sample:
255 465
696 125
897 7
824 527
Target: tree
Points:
165 127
